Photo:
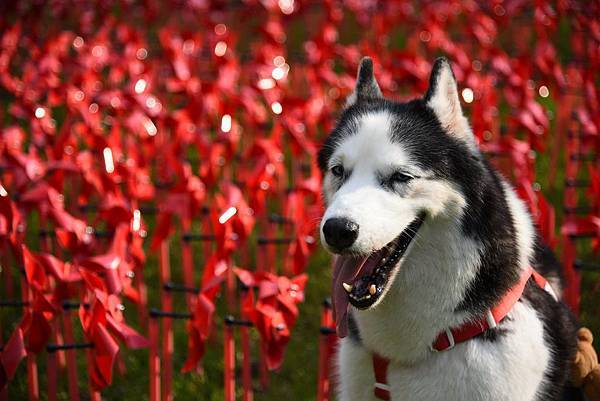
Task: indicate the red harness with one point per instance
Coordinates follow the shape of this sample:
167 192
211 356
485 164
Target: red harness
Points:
450 337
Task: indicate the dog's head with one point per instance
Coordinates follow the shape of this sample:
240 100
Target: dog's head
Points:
388 169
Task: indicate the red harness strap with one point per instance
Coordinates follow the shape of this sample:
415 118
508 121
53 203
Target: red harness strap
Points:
450 337
468 330
381 389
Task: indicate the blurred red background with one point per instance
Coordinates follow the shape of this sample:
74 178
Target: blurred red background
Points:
157 156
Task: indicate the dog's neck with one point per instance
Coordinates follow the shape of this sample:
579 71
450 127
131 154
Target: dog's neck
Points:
428 293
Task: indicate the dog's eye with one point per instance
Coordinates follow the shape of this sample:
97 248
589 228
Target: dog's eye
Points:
337 170
399 178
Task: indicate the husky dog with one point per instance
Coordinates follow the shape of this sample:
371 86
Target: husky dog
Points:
426 236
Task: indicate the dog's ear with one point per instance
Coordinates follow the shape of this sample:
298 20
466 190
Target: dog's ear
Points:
442 98
366 84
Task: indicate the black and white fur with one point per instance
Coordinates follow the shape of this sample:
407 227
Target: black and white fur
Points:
476 239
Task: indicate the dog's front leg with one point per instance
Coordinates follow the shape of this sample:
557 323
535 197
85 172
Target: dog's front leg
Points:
355 370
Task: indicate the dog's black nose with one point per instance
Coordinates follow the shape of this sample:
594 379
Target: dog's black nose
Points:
340 233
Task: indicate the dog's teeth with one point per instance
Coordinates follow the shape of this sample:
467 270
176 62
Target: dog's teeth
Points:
347 287
367 297
372 289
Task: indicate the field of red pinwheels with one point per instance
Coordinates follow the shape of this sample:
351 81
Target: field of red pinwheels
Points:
159 192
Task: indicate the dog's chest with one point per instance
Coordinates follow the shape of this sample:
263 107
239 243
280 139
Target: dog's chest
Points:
510 368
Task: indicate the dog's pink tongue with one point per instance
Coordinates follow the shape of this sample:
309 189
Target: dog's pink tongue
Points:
345 270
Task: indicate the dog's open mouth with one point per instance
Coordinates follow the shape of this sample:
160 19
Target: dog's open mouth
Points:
361 281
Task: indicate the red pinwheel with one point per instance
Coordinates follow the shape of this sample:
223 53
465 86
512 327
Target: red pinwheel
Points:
102 321
199 328
232 219
275 312
33 331
10 220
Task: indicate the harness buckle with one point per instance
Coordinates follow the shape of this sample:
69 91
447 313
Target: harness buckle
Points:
491 320
382 391
450 339
451 342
